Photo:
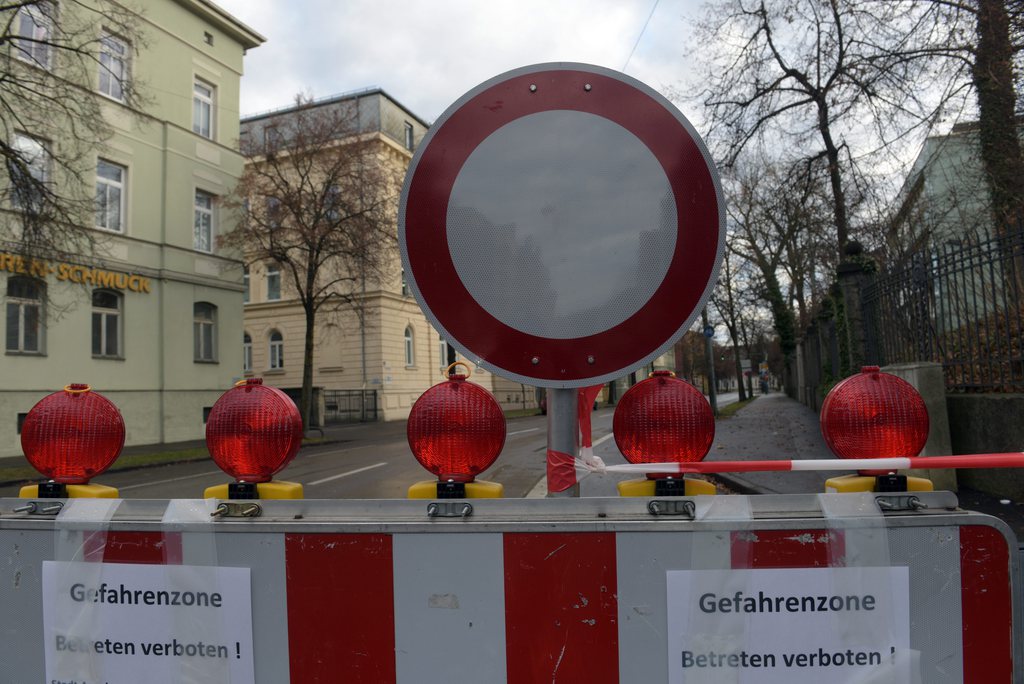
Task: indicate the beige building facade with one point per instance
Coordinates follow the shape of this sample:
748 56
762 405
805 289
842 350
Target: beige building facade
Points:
150 317
384 346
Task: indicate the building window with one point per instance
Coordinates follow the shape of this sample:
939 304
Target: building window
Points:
29 172
273 283
245 284
204 331
33 29
410 356
405 284
106 324
202 236
332 204
246 353
272 138
207 37
276 350
408 136
25 315
110 195
113 67
447 354
202 108
273 209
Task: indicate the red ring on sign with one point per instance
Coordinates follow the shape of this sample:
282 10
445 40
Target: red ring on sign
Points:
562 360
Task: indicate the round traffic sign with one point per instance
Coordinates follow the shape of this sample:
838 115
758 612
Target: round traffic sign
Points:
561 224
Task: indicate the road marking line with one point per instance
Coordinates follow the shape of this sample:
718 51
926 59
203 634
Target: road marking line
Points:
172 479
604 439
519 432
341 475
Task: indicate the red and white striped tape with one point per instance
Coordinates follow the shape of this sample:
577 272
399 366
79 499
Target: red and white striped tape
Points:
1004 460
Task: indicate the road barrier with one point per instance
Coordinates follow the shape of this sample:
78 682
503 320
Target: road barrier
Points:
801 588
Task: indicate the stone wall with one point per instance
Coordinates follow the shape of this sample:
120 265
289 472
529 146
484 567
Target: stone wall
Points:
988 423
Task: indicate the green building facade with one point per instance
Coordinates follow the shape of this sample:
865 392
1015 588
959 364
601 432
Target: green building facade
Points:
152 316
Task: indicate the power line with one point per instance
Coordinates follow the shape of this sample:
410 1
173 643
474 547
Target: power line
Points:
641 35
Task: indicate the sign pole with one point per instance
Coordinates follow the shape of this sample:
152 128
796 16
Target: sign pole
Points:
563 431
709 352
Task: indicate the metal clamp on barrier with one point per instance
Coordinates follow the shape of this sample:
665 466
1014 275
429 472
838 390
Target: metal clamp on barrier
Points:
41 508
449 509
240 509
894 503
673 507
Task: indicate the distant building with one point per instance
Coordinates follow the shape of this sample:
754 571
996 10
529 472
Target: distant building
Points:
152 319
945 197
390 354
944 234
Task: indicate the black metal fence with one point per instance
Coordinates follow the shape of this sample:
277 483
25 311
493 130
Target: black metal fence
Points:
961 305
350 406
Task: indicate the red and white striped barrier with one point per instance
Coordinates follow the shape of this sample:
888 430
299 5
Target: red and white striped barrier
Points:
493 600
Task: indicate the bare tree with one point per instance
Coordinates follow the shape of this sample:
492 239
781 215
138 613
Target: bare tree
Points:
52 123
731 298
753 237
821 76
796 215
318 198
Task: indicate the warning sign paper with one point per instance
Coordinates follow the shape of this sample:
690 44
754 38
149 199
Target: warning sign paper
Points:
790 626
113 623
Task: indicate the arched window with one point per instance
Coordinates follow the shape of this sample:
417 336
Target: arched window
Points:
246 353
106 324
204 331
25 298
410 355
276 350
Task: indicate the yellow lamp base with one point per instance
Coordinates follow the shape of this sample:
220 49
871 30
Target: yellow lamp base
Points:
478 489
866 483
75 491
645 487
275 489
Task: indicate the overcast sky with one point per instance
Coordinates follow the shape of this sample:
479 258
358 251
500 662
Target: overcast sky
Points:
427 54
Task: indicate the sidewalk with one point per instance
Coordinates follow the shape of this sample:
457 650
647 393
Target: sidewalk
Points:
773 427
777 427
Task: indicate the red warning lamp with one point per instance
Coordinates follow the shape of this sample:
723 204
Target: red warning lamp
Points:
70 437
252 432
456 430
874 415
663 420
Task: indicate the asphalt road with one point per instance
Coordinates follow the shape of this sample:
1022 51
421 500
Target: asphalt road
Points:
367 461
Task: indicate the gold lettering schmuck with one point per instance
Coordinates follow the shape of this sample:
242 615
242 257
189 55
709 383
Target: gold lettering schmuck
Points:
84 275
